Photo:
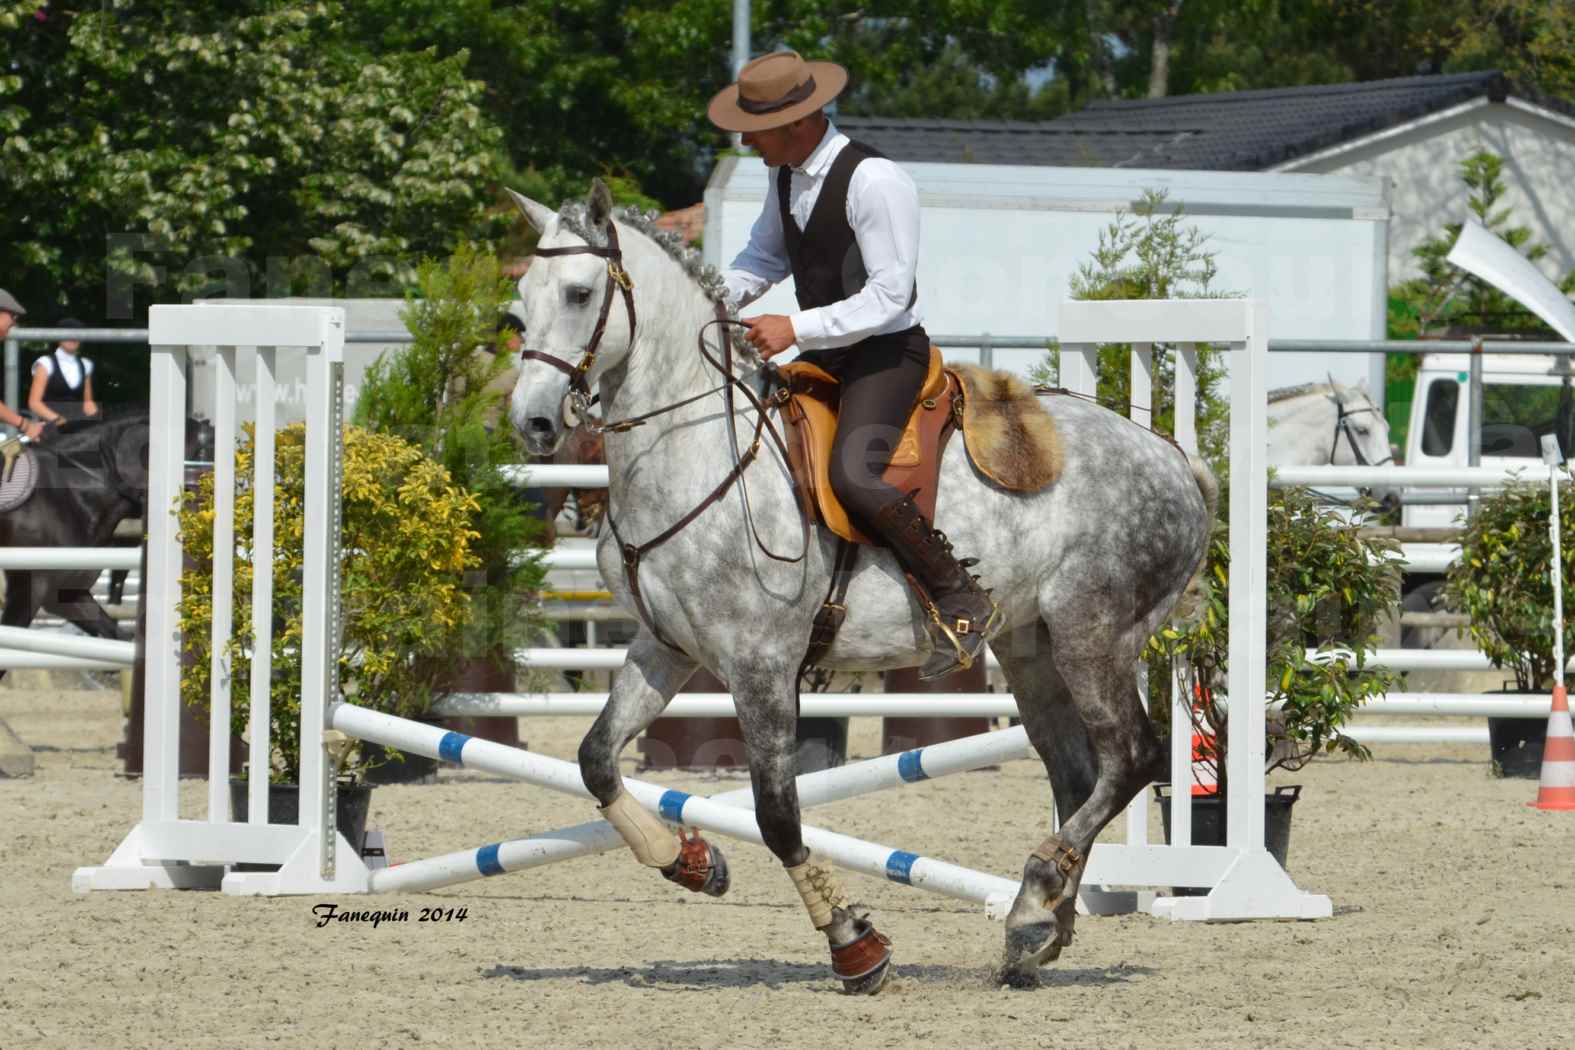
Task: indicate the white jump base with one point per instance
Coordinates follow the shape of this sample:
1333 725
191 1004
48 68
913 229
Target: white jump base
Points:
165 850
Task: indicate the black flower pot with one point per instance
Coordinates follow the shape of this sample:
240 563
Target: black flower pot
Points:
1517 745
1208 824
284 807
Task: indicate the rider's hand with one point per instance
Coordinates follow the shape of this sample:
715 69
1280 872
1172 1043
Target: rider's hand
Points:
90 408
32 429
770 334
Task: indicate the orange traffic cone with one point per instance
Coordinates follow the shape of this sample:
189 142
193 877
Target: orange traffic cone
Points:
1557 788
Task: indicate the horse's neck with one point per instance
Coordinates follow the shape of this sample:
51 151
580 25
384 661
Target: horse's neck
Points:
663 369
1302 430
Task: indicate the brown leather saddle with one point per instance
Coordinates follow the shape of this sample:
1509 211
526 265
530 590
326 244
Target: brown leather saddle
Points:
811 397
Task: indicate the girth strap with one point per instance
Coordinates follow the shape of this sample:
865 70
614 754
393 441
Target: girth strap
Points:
832 611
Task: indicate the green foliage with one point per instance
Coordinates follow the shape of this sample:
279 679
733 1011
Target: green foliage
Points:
1328 588
1151 254
446 392
1503 580
1445 297
407 535
156 152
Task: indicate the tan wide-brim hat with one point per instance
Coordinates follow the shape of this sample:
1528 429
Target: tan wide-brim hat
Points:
775 90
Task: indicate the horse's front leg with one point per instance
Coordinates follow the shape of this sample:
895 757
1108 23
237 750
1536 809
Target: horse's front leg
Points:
648 680
767 704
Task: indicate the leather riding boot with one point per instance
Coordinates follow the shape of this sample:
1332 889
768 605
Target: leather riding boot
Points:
962 615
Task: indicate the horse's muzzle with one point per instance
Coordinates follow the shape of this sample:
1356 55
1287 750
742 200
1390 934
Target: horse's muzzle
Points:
541 435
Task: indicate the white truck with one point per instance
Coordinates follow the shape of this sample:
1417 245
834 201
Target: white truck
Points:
1524 396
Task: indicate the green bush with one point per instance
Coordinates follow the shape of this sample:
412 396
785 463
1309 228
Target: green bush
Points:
1504 580
445 394
1328 588
406 542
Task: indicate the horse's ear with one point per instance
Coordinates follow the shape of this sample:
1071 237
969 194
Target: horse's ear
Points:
538 215
600 203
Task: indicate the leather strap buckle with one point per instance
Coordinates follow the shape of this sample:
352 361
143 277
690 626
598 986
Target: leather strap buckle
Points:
619 276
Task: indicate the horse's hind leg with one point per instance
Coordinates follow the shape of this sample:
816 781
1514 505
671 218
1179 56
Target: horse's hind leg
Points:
640 691
767 701
1099 674
71 598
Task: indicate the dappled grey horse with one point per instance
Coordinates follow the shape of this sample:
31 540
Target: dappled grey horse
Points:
1085 570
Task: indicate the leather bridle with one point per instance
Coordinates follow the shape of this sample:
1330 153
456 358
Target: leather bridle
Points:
579 389
617 277
1342 425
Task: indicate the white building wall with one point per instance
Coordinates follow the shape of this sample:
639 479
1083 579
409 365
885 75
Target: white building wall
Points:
1000 246
1422 163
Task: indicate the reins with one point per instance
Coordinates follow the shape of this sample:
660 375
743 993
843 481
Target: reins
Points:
631 554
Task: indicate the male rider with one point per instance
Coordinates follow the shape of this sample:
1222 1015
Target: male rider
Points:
844 222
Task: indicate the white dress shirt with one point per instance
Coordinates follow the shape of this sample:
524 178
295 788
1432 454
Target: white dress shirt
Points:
883 210
71 366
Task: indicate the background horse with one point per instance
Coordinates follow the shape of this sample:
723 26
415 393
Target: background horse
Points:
1085 570
1325 423
91 477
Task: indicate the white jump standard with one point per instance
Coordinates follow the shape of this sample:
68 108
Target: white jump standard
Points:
164 850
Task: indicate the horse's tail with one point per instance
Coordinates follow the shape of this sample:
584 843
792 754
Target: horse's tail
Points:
1191 603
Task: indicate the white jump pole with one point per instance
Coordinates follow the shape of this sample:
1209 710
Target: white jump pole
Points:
677 807
720 705
814 789
106 649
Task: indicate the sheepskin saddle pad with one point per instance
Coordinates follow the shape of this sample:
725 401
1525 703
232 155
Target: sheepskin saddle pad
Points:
1010 436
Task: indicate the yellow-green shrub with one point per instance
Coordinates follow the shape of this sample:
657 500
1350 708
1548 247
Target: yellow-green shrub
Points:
406 542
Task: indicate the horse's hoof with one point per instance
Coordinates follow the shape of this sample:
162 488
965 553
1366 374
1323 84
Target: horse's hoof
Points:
700 867
1018 979
1029 947
864 963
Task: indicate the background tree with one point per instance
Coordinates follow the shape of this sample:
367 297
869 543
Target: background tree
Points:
158 152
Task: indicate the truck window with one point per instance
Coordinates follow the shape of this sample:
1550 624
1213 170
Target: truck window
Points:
1515 418
1438 423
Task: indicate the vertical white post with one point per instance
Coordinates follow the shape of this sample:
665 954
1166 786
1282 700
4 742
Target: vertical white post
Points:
319 652
1080 369
1248 582
1553 456
161 587
223 586
1140 409
1187 397
1181 702
261 756
1180 762
1141 403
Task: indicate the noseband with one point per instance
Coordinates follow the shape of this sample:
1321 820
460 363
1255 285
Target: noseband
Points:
1342 425
617 277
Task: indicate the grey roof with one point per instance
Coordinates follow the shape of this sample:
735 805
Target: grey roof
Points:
1230 131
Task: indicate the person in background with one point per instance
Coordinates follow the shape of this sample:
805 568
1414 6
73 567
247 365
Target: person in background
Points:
10 310
63 382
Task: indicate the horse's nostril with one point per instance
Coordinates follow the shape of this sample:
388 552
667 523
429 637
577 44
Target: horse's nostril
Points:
539 425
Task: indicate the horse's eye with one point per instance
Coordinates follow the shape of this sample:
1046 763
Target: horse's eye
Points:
1364 431
579 295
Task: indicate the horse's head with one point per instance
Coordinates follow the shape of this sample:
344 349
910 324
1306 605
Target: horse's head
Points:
1360 435
576 331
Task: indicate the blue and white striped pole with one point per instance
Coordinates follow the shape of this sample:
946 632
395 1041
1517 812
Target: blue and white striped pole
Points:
727 815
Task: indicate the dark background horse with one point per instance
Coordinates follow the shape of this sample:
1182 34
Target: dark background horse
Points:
91 476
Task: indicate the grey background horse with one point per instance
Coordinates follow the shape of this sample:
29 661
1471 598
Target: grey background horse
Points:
1085 570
